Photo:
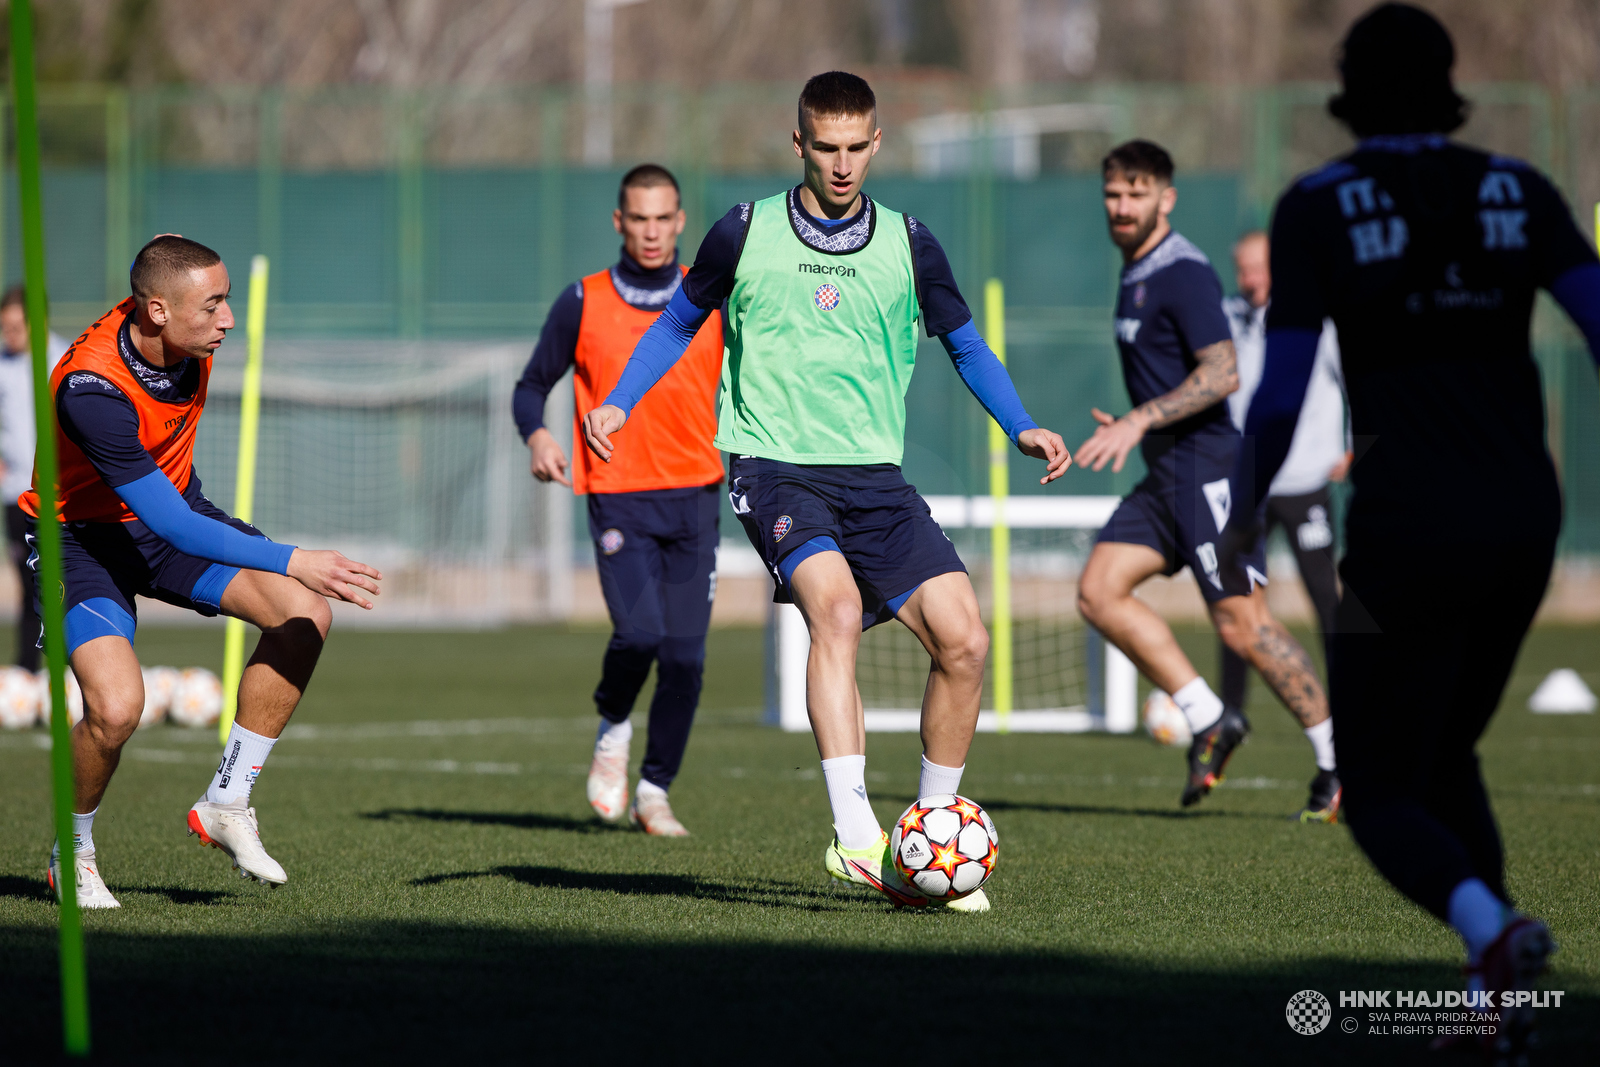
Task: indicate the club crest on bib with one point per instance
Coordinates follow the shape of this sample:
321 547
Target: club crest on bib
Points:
611 542
826 297
781 528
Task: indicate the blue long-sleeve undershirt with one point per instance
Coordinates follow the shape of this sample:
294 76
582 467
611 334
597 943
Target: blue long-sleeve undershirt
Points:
665 342
156 502
1291 356
986 376
1578 293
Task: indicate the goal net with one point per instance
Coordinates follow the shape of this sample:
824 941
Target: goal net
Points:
1064 676
402 455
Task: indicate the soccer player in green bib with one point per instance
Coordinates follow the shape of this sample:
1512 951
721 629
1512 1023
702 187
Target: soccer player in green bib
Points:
824 289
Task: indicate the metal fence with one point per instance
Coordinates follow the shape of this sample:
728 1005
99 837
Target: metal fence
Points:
456 214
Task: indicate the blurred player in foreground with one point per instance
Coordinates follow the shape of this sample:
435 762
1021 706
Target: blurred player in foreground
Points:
1427 256
16 453
128 398
1178 362
824 289
1298 500
653 513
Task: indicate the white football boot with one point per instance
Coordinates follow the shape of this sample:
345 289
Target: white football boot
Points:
973 902
653 815
233 829
92 891
608 782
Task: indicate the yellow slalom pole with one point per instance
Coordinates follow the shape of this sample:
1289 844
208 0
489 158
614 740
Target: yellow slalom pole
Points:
244 491
994 317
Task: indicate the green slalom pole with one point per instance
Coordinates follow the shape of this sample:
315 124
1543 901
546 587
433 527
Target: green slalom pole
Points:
994 322
74 972
244 485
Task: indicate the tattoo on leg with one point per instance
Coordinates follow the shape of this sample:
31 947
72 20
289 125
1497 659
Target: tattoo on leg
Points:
1288 671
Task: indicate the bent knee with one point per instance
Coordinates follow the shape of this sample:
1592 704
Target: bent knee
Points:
111 716
836 621
966 653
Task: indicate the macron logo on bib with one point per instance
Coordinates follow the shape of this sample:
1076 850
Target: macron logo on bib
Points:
1127 330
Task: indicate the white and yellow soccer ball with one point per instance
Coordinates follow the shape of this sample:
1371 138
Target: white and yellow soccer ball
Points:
1165 721
19 698
945 846
159 685
74 697
196 698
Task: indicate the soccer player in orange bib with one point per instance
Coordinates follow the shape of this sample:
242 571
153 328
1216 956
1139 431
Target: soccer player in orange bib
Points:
128 398
653 516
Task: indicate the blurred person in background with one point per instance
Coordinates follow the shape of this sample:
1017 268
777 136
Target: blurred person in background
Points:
653 514
1299 498
16 454
1428 256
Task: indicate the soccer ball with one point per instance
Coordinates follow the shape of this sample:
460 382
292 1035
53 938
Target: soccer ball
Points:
74 697
196 699
19 699
1165 721
159 684
945 846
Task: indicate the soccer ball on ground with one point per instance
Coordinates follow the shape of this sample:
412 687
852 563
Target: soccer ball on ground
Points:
74 697
1165 721
159 684
945 846
196 698
19 699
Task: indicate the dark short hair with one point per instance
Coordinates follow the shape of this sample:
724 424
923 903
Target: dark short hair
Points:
646 176
836 93
163 260
15 297
1135 158
1395 64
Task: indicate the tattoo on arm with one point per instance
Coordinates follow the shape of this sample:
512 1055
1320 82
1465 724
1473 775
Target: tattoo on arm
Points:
1215 376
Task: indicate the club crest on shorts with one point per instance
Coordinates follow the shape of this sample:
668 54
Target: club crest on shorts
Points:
781 528
611 541
826 297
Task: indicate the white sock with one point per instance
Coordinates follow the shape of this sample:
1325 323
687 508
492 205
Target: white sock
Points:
242 757
937 779
649 791
853 819
83 832
1477 915
1199 704
1321 738
612 735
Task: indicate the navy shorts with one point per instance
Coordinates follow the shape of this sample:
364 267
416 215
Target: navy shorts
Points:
879 522
1179 510
656 551
106 564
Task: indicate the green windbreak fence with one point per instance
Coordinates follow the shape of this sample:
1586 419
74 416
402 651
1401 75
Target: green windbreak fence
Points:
458 216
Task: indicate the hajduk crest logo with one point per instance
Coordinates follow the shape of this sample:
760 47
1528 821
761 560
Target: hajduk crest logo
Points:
1308 1012
611 542
826 297
781 528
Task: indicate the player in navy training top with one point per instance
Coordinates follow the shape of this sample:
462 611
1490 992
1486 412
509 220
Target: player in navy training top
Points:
1427 255
1178 361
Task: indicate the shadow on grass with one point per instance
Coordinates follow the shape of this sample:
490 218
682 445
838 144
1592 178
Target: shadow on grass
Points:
767 894
19 888
177 894
1104 809
420 993
519 820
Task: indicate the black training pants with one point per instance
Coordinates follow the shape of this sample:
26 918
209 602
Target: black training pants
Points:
1307 521
1423 645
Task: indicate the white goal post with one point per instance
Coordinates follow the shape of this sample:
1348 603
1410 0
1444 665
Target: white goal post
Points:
1067 679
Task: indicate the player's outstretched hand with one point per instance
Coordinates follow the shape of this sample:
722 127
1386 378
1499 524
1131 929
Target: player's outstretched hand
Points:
1048 446
599 425
546 459
330 574
1112 441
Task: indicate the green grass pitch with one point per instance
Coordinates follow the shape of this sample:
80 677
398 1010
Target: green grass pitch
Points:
450 896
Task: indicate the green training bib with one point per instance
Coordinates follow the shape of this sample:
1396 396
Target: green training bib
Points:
821 345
